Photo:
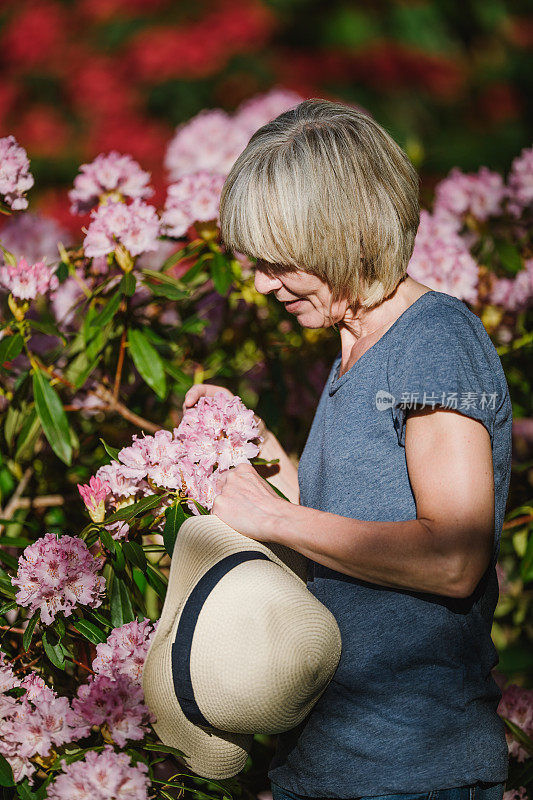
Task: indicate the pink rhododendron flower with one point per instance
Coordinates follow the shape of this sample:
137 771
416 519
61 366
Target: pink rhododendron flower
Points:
216 434
15 175
514 294
114 702
478 194
56 574
136 226
26 281
256 111
94 494
109 175
516 794
120 485
520 182
118 530
441 259
101 776
211 141
125 650
193 198
33 236
33 723
516 705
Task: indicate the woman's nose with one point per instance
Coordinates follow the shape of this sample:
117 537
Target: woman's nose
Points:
265 284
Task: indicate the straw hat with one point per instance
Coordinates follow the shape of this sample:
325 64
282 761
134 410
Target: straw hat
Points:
242 646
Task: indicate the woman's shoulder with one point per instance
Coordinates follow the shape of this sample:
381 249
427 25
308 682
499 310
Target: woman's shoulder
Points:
443 335
444 320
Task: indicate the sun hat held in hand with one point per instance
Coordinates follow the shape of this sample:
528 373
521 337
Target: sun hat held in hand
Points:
242 646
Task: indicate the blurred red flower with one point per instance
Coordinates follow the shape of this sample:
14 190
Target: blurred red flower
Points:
34 35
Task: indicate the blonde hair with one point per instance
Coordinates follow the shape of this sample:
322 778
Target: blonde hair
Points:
325 189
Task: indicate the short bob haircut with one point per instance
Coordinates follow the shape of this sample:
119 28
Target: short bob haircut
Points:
325 189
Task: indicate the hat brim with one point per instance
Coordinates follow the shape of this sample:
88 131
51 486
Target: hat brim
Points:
207 751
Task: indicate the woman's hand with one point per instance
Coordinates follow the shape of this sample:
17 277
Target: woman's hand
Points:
248 504
209 390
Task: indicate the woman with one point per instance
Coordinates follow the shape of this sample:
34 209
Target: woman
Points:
400 493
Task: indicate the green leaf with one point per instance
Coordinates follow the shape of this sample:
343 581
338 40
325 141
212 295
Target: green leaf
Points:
9 560
5 607
221 272
170 292
162 748
108 312
24 791
30 628
54 650
29 433
80 368
107 540
135 509
156 581
90 631
119 562
121 609
135 554
193 324
148 362
6 587
111 451
6 773
193 271
175 516
520 735
53 417
163 277
10 347
526 567
509 256
48 328
128 284
99 617
14 541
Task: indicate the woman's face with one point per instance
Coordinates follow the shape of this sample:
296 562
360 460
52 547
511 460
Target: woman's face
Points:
304 295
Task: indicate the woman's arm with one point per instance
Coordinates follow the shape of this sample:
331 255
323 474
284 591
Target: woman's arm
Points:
444 551
447 548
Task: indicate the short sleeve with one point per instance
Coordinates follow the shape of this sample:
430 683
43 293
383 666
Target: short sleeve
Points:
445 360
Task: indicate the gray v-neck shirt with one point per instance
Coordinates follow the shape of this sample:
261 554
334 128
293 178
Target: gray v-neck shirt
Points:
412 704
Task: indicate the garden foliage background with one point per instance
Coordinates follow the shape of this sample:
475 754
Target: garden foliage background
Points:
449 81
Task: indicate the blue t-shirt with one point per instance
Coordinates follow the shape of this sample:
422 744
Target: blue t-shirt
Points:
412 704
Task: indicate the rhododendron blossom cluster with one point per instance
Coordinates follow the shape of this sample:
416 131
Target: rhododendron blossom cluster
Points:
465 202
216 434
520 182
15 175
33 236
213 139
478 194
193 198
101 776
110 175
136 226
516 705
33 723
441 259
57 573
116 703
125 650
25 281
